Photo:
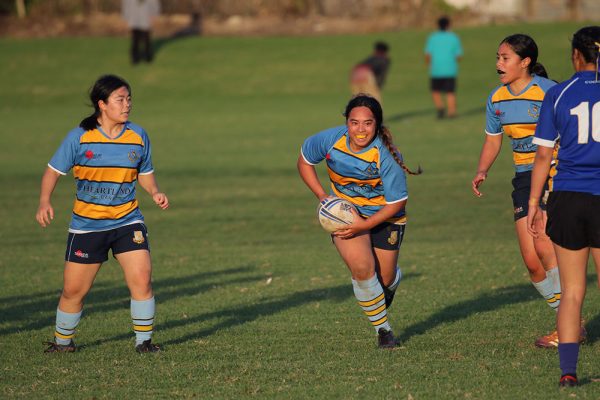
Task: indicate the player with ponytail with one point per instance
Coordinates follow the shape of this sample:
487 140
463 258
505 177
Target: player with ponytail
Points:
365 168
109 155
513 108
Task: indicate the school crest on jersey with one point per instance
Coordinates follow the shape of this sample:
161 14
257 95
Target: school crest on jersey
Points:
133 156
534 111
393 239
138 237
371 170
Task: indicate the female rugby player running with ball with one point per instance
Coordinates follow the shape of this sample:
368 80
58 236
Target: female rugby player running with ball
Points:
366 169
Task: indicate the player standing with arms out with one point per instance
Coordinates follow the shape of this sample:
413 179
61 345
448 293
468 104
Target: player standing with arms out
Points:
571 112
365 168
108 154
513 108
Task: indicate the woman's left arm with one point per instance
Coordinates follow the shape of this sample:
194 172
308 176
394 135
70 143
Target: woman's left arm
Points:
148 182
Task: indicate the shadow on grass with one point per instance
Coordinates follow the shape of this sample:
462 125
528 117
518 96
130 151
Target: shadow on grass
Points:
241 315
106 297
488 302
586 381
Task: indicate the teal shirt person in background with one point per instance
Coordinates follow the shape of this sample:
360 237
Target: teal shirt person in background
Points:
443 50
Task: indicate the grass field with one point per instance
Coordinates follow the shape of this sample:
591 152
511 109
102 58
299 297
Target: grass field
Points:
252 299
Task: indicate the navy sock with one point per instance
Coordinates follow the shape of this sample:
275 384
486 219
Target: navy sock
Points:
568 354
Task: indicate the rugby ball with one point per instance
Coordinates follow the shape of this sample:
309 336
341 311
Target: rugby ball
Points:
335 213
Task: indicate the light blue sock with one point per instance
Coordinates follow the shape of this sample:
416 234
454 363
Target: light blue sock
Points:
369 294
65 326
142 315
546 289
555 276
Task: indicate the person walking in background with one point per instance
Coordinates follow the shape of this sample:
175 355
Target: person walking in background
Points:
443 50
571 112
368 76
139 15
108 155
365 168
513 108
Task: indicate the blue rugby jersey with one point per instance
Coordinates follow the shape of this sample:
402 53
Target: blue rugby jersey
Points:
571 113
369 179
517 115
105 172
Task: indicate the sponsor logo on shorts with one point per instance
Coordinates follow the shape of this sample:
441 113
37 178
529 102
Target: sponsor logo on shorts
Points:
393 239
518 210
81 254
138 237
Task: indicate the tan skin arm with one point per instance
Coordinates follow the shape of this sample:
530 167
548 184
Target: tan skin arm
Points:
489 153
310 178
539 175
148 182
45 212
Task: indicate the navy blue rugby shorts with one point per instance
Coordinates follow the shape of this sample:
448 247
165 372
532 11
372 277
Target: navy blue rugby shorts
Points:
93 247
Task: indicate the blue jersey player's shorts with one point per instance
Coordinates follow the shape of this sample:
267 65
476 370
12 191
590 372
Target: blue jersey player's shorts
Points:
387 236
574 220
93 247
520 195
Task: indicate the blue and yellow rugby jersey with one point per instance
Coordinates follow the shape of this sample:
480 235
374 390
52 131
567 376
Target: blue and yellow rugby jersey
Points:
517 115
105 172
369 179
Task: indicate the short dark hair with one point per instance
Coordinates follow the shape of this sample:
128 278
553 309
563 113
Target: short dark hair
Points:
444 22
381 47
585 40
